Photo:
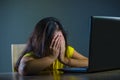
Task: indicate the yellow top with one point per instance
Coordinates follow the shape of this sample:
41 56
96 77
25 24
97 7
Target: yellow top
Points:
57 64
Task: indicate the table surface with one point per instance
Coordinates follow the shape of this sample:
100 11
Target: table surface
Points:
106 75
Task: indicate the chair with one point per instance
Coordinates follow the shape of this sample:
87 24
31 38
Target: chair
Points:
16 50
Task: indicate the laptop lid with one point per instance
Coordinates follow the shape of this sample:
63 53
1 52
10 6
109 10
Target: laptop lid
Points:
104 50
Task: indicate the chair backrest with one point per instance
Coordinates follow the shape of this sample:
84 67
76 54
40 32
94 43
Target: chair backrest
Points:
16 50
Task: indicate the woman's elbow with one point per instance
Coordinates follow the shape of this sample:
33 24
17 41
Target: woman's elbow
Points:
22 70
27 70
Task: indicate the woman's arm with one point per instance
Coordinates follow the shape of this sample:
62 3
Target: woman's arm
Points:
77 60
31 66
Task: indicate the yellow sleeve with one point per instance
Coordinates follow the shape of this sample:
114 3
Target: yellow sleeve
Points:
28 54
70 51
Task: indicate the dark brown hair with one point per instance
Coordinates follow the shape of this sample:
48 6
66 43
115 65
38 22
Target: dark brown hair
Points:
41 38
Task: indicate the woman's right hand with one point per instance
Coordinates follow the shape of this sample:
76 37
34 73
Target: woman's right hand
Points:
55 46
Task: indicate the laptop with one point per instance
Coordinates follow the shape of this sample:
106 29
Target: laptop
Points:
104 45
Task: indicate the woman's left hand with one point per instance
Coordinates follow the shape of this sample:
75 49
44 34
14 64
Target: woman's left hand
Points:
62 50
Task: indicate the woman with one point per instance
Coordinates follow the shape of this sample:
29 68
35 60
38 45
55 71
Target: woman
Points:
47 49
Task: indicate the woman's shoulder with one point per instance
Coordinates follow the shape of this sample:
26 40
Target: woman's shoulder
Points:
27 57
70 51
28 54
69 47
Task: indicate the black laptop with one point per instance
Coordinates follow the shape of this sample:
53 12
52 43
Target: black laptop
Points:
104 45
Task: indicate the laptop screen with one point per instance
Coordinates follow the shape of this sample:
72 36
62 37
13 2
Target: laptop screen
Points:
104 50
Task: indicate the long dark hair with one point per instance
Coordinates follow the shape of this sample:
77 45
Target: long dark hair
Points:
41 38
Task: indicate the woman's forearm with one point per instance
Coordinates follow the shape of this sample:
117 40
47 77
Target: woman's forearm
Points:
35 66
76 62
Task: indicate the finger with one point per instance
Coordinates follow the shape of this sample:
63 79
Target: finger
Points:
56 42
55 36
53 40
